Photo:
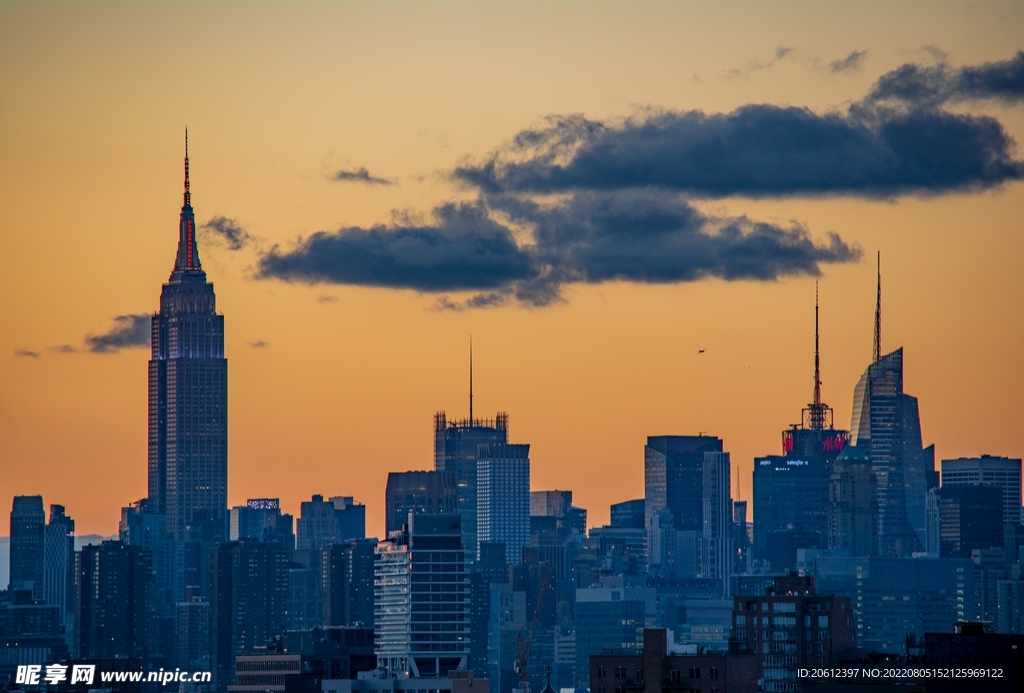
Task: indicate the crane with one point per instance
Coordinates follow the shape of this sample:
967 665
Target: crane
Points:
523 646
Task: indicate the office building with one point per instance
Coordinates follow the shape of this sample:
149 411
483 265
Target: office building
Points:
852 503
113 601
28 526
261 519
628 514
308 657
346 586
456 450
417 492
970 518
421 596
334 521
59 563
895 596
662 664
503 497
716 536
188 391
674 478
248 589
790 628
609 619
1003 472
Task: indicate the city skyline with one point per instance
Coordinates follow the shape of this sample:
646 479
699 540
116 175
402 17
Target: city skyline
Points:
334 384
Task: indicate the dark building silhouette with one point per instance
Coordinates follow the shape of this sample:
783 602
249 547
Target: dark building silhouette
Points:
334 521
557 505
248 589
59 563
791 490
262 519
1004 472
970 518
188 391
417 492
853 513
456 450
347 583
628 514
113 594
674 478
301 660
791 628
28 525
657 668
30 632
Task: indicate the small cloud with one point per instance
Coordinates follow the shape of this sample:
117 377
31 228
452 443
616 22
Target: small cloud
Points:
129 331
63 349
27 353
359 175
327 299
781 52
260 344
850 63
227 231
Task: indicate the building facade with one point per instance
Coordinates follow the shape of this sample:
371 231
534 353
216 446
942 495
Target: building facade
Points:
503 497
417 492
188 391
113 601
1003 472
28 526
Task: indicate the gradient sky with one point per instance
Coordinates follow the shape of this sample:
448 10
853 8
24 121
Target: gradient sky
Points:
333 384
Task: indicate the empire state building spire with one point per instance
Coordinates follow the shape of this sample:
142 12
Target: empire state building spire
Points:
187 259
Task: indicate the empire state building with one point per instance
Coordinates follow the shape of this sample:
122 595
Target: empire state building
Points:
188 391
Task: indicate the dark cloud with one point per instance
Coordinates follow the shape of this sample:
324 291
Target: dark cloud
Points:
129 331
359 175
327 299
850 63
27 353
756 151
227 231
645 236
934 85
259 344
463 249
63 349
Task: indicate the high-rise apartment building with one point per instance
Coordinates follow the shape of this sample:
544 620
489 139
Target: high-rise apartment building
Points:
421 595
456 450
28 526
261 519
1003 472
853 515
417 492
503 497
334 521
347 583
59 562
188 391
113 601
970 518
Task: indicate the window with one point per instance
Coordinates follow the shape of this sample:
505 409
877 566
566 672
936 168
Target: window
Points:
694 672
713 674
620 672
639 675
823 622
601 672
741 620
674 676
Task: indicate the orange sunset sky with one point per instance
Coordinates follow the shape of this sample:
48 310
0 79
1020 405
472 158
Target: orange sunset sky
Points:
332 384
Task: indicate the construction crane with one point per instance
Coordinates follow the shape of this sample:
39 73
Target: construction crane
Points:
523 646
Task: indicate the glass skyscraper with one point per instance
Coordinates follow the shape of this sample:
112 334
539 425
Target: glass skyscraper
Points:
188 391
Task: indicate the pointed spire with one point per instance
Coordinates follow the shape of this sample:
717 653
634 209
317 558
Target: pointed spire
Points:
817 356
188 193
878 314
471 380
818 415
187 259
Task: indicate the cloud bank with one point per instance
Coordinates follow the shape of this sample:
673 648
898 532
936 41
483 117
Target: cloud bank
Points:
934 85
128 331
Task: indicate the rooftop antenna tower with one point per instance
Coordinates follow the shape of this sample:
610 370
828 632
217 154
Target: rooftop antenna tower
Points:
471 380
878 313
188 194
817 415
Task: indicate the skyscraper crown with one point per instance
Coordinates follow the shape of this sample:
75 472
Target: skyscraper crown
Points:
187 260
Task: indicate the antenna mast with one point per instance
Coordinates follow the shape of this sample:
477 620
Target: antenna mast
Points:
471 381
878 313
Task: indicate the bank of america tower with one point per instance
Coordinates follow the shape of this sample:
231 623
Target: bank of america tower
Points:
188 391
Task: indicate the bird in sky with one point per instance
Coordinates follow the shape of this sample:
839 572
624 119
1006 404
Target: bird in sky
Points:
700 351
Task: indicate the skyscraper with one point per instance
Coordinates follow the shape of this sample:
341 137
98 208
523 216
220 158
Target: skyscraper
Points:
887 422
59 562
1003 472
28 523
503 497
114 582
418 492
674 478
334 521
188 390
716 535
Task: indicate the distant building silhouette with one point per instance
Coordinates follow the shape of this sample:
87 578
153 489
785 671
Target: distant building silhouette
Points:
188 391
853 511
28 526
347 583
59 563
716 535
1002 472
456 450
262 519
970 518
628 514
334 521
114 581
503 497
420 492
